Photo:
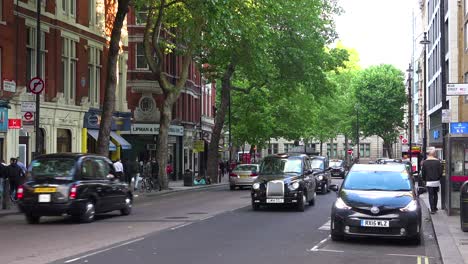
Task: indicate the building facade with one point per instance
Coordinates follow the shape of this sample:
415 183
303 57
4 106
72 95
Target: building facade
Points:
73 52
193 113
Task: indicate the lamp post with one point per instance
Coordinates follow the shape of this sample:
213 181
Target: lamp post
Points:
357 132
410 113
425 42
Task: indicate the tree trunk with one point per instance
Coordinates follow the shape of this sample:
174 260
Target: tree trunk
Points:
219 122
388 147
111 79
161 151
321 147
346 149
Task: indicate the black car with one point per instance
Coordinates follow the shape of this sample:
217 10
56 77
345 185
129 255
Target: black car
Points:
285 179
377 200
321 169
338 168
75 184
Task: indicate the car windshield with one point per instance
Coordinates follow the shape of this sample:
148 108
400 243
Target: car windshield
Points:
246 168
280 166
59 168
378 180
317 164
336 163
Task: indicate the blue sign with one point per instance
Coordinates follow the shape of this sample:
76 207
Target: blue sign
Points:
459 128
436 134
3 119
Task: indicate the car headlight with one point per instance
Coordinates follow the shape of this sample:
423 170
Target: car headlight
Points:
340 204
320 177
256 186
294 186
410 207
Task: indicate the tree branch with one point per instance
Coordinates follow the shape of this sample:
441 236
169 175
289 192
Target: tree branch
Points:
248 89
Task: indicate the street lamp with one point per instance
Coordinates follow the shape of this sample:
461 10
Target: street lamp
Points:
410 113
425 42
357 132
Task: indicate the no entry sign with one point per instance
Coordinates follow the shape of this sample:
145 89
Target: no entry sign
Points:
36 85
28 116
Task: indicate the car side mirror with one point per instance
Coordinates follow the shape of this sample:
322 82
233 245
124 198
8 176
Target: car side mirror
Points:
334 187
421 190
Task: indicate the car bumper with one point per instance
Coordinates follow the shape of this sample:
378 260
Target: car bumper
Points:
292 198
337 174
401 224
233 181
53 209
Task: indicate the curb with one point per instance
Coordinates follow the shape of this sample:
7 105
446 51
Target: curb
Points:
160 193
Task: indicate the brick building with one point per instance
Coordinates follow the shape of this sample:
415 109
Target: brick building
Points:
193 113
74 36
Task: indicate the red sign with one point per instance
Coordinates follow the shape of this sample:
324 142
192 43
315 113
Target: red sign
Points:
36 85
14 123
401 136
350 151
28 116
404 141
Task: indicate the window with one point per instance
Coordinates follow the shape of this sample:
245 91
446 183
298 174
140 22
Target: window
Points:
364 150
94 74
140 17
92 13
288 147
140 57
69 7
332 150
69 67
31 56
273 148
103 169
1 10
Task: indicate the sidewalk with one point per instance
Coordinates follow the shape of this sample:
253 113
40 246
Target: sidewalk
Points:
453 242
174 186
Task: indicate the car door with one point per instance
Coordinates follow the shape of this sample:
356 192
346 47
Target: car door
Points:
94 182
327 171
119 188
110 185
309 179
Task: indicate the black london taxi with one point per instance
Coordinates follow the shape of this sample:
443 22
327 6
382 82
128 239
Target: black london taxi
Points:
321 169
284 179
75 184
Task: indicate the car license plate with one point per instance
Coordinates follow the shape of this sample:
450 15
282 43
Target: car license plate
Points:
375 223
244 176
275 200
44 198
45 190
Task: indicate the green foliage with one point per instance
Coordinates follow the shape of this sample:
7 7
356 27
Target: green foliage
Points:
380 97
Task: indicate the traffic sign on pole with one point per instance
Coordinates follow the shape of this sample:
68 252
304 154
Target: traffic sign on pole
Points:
350 151
28 116
36 85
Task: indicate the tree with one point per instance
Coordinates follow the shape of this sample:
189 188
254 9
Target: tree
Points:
171 27
380 95
111 78
264 43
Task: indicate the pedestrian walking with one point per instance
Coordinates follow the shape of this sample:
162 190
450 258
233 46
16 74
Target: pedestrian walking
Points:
155 172
15 176
133 171
21 165
119 170
431 172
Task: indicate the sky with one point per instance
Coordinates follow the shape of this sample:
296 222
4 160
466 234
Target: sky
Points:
380 30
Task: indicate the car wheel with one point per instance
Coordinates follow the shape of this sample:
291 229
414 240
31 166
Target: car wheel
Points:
232 187
32 219
325 188
88 215
416 240
301 203
312 202
255 206
128 206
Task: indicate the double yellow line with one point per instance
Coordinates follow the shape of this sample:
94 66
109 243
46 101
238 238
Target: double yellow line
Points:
420 259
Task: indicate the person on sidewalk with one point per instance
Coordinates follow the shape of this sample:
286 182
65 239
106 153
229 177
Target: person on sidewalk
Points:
15 175
431 173
119 171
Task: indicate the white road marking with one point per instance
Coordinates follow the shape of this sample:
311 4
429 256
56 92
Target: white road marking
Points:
208 217
315 248
104 250
325 226
328 250
179 226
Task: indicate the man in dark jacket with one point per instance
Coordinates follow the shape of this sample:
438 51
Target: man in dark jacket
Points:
15 175
431 173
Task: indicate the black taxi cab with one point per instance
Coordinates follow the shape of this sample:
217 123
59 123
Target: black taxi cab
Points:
284 179
75 184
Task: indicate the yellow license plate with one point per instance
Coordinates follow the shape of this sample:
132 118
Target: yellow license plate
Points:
244 176
45 190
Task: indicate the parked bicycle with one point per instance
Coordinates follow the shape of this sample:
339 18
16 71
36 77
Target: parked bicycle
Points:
148 184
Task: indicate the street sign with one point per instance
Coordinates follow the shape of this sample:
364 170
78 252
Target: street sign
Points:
36 85
14 123
199 146
459 128
28 106
9 86
350 151
28 116
401 136
404 141
454 89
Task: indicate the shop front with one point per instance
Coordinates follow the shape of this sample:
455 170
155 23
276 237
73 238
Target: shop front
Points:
120 124
144 140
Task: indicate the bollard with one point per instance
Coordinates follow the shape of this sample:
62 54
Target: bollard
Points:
464 206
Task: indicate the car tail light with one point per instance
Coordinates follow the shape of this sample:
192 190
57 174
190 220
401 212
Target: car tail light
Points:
253 174
73 189
20 192
232 175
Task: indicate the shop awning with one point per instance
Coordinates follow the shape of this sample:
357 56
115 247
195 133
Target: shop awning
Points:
95 134
121 141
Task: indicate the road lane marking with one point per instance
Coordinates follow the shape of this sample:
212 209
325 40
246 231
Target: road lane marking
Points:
180 226
104 250
426 260
315 248
325 226
208 217
419 259
329 250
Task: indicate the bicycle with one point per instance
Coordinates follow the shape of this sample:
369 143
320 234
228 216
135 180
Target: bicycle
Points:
148 184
